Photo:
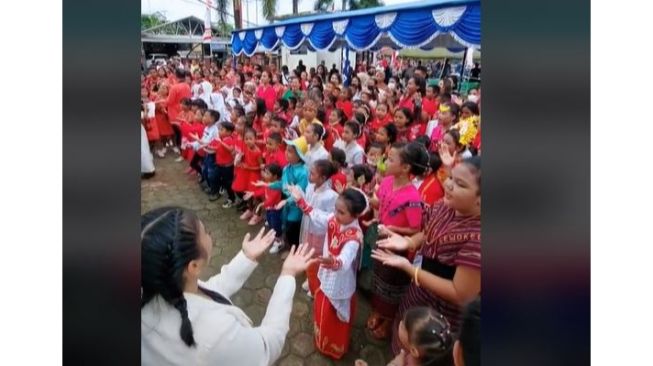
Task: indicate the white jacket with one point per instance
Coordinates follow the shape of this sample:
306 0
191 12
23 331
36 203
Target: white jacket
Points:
323 201
223 334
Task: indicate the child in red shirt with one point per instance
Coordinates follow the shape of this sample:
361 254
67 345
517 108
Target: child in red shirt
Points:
224 160
381 118
275 154
281 109
419 128
339 159
250 171
335 127
271 197
344 103
189 132
403 118
431 190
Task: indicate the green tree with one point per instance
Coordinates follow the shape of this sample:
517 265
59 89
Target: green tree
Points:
152 20
223 29
364 4
323 5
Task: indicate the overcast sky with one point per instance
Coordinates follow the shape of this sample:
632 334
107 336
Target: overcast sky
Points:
175 9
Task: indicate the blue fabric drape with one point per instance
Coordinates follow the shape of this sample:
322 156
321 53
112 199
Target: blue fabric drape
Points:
404 26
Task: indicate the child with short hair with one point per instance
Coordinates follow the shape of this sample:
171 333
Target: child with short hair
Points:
375 159
339 179
200 144
271 197
275 152
295 173
381 118
224 160
355 153
334 127
317 204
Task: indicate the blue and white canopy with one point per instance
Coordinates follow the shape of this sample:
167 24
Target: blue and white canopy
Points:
425 24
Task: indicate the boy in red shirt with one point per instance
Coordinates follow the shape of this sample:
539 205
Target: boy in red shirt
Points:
271 174
224 149
274 153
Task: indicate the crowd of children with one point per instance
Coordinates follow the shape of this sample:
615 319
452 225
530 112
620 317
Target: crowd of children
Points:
380 176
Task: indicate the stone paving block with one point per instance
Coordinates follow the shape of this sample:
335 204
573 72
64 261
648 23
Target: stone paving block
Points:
263 296
292 360
243 298
302 345
317 359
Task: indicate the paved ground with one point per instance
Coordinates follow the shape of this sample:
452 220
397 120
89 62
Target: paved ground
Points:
171 186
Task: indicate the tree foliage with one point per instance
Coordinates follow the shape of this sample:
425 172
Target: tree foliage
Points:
152 20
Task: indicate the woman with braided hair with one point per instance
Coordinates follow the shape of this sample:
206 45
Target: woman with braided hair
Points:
186 321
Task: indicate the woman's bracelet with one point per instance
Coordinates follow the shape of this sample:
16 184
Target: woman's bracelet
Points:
415 276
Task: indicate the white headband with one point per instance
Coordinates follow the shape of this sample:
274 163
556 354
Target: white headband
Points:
367 202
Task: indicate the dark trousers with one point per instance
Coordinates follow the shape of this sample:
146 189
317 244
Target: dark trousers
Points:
196 163
210 173
225 179
177 132
292 232
273 218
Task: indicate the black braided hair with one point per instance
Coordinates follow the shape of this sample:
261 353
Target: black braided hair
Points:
168 244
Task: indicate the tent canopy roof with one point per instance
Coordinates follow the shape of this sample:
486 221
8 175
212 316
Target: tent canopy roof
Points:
425 24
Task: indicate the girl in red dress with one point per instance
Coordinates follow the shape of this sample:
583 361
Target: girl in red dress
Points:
421 122
344 103
329 105
334 307
281 109
161 117
278 86
239 149
335 127
339 159
431 189
403 118
266 91
381 118
250 171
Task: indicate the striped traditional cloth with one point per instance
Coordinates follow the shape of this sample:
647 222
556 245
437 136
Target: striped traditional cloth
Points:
451 241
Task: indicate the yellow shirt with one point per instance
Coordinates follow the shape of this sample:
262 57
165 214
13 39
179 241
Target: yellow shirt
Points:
303 123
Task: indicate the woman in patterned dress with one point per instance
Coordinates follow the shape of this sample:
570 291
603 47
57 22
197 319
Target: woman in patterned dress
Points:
448 274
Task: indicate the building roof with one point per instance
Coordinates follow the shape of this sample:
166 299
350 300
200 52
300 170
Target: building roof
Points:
185 30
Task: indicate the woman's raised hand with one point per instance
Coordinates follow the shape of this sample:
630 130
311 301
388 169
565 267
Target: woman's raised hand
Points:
298 260
393 241
257 246
390 259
